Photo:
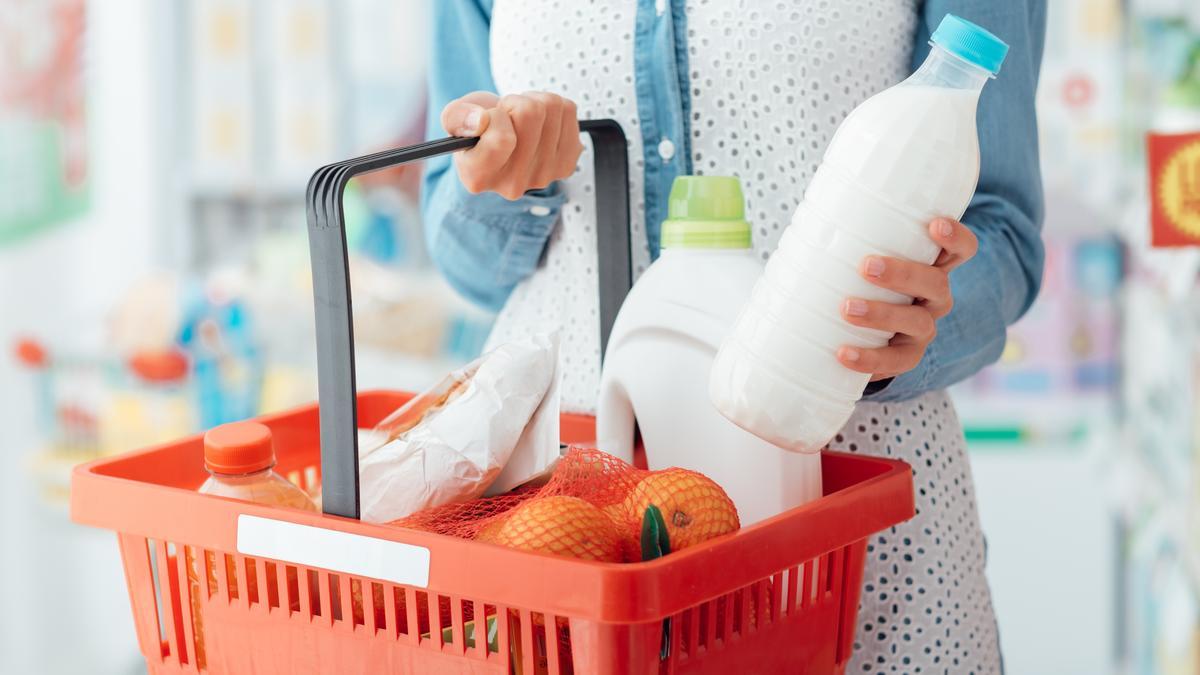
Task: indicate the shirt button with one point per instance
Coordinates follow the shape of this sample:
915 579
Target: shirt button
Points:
539 211
666 149
660 6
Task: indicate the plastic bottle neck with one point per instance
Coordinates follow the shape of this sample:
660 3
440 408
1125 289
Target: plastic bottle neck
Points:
944 69
240 477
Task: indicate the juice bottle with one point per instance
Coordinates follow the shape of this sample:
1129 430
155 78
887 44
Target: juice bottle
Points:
240 458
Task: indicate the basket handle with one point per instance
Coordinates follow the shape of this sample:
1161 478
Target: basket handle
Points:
331 285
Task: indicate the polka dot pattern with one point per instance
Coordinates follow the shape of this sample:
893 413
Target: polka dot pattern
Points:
771 81
925 605
583 51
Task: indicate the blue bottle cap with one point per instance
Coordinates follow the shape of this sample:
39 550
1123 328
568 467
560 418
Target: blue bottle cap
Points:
970 43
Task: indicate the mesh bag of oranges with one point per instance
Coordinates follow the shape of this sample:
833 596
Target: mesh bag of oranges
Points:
593 508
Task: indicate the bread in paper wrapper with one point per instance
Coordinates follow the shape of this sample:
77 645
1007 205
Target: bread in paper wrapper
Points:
451 442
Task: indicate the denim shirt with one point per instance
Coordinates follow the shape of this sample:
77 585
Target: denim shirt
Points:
485 245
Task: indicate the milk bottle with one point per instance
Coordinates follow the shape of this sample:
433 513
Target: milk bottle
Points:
904 157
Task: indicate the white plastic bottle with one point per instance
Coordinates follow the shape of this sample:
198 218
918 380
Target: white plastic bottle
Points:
902 158
662 348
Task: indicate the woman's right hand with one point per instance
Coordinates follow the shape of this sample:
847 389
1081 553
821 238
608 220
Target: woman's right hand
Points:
526 141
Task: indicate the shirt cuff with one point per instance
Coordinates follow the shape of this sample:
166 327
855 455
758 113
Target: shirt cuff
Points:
520 227
534 213
908 385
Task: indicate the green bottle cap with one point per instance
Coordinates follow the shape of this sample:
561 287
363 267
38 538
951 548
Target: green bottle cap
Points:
706 212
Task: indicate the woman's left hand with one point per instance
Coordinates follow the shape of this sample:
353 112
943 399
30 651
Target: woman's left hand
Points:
915 325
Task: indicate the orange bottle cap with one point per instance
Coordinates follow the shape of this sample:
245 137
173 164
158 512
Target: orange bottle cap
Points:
168 365
31 353
238 448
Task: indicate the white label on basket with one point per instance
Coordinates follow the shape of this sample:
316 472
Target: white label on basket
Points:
329 549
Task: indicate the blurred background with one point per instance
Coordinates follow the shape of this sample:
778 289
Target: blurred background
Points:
154 281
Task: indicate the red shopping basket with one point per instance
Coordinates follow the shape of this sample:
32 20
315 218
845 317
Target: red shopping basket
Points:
776 597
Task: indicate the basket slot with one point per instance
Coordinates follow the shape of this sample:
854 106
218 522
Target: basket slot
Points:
226 586
793 587
333 585
399 612
501 629
135 556
480 629
524 629
389 600
554 636
691 628
760 590
676 644
777 582
822 580
158 601
287 588
256 577
268 579
183 564
716 622
414 619
436 636
377 619
359 609
326 602
310 593
168 587
458 635
503 633
837 563
344 600
708 625
743 601
238 586
807 585
728 610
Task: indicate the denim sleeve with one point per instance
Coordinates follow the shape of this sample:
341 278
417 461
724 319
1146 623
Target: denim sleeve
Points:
997 286
483 244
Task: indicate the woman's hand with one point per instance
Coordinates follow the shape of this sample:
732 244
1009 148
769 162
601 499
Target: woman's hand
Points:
526 141
915 325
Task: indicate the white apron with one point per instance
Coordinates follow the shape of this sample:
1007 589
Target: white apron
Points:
771 82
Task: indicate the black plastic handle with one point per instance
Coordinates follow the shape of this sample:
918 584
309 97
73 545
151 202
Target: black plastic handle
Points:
331 285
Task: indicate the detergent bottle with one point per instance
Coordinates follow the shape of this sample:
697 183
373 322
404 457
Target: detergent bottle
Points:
662 347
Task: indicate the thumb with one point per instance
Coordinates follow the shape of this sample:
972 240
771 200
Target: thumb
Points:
464 118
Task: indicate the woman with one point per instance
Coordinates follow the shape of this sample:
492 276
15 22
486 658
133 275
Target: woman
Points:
753 89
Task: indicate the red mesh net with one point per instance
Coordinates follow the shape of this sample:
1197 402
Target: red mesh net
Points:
580 512
591 508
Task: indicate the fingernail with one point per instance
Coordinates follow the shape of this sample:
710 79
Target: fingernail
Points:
874 267
471 122
856 308
851 354
945 228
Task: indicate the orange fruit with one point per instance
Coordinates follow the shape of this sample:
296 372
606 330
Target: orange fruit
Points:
490 530
631 532
618 514
694 507
559 525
